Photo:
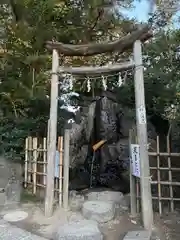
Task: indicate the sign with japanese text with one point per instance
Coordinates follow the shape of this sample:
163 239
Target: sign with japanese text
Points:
142 115
135 160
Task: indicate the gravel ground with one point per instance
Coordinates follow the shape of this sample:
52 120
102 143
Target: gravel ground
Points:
9 232
167 227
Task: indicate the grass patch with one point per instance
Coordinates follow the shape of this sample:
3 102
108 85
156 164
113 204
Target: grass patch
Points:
27 197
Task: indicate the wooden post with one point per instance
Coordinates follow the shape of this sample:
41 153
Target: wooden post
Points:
49 199
132 180
66 169
146 198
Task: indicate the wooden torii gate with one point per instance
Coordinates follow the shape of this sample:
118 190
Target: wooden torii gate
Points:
134 39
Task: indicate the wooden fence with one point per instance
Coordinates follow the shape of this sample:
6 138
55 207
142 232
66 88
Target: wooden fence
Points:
36 167
164 177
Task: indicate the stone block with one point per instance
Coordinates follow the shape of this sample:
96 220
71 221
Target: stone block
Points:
79 230
76 202
13 192
110 196
137 235
98 211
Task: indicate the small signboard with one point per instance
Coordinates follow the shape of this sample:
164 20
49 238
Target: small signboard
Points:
135 160
142 115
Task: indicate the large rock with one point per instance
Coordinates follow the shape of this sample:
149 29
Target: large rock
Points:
79 230
104 120
99 211
10 182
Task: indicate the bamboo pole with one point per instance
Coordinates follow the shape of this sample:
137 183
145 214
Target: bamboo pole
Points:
44 159
26 163
60 141
164 168
167 183
34 164
170 175
66 169
159 177
165 199
30 157
164 154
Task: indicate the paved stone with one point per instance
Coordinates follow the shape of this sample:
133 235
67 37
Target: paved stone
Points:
8 232
137 235
111 196
15 216
79 230
99 211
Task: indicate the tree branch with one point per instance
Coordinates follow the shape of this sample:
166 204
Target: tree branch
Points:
95 22
91 49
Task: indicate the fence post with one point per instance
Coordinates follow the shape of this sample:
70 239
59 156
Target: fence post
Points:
45 160
146 198
35 146
26 162
49 198
66 169
60 148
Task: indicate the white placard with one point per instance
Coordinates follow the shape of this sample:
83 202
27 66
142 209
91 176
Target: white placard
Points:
135 160
56 174
142 115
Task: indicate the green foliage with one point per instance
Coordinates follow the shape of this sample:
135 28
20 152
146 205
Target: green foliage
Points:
161 76
24 61
25 26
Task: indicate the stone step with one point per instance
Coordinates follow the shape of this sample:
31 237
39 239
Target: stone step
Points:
98 211
79 230
137 235
111 196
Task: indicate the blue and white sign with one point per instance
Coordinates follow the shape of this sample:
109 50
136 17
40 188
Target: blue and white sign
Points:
135 160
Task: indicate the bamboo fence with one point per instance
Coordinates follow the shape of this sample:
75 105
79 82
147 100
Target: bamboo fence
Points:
164 168
36 167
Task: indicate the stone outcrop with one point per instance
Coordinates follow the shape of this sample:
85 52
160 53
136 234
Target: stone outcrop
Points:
105 120
10 183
